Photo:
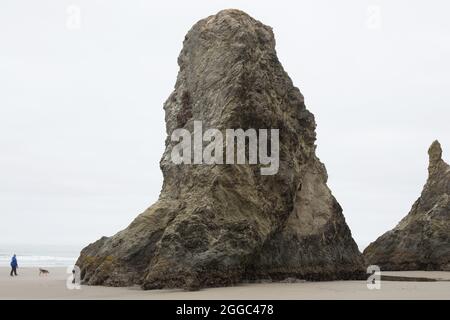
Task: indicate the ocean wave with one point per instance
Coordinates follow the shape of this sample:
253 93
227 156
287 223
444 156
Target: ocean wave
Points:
38 261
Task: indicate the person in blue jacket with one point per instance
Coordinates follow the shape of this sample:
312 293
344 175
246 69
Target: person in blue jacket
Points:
14 266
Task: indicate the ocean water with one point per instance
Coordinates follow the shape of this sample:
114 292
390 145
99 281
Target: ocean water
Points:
39 255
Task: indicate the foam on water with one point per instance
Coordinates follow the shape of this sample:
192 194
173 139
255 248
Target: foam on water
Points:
39 256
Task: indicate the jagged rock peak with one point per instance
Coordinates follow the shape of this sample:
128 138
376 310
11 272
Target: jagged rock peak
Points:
421 240
435 151
217 225
435 154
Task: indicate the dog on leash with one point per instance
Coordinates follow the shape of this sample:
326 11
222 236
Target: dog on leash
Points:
43 272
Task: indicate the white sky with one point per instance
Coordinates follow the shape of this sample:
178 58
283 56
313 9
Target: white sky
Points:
82 126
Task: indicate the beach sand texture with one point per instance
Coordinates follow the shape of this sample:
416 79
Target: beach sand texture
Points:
29 285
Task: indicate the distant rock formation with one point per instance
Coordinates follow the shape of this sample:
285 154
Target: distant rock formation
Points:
421 241
217 225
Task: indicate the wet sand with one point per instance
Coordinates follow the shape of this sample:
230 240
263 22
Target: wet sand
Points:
29 285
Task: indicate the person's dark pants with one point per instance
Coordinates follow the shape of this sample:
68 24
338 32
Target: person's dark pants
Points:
13 271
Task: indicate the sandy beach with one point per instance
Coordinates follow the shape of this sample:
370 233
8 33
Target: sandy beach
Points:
29 285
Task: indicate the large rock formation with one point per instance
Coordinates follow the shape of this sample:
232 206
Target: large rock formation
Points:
217 225
421 241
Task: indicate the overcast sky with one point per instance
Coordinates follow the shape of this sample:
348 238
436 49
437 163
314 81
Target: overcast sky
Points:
82 125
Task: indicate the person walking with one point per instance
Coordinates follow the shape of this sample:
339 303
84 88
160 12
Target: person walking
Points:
14 266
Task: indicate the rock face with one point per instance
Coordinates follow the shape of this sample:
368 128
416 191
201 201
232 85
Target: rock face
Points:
421 241
216 225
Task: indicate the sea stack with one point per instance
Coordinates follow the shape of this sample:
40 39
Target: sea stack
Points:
217 225
421 241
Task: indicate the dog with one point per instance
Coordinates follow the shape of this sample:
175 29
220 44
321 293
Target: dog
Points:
43 272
